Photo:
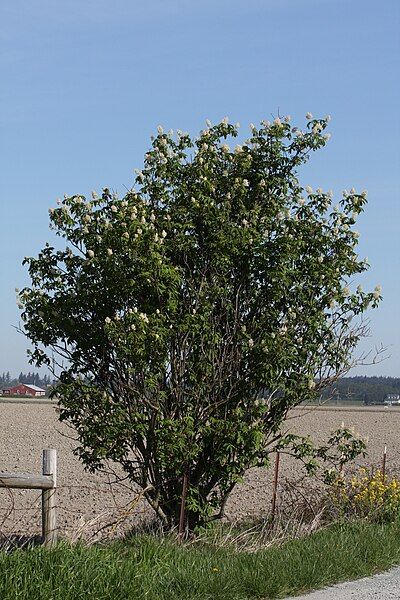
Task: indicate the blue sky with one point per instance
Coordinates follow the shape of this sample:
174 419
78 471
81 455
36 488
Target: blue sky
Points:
85 84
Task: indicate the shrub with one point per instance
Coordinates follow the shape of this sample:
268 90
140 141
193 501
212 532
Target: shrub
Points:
186 319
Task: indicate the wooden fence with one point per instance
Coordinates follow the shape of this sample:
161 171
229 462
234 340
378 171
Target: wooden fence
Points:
47 482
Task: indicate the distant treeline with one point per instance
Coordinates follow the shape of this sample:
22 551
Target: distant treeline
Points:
7 380
369 390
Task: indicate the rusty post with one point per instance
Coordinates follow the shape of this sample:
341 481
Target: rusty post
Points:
182 516
275 485
384 464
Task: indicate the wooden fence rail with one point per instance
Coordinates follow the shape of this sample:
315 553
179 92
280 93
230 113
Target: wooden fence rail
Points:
47 482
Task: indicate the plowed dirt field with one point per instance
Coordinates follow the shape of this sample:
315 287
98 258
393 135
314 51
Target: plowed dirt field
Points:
86 502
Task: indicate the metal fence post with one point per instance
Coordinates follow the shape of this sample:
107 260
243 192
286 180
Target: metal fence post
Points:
275 485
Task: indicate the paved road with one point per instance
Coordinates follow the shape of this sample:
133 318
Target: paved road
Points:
384 586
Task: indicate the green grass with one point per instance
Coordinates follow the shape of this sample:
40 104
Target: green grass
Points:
152 568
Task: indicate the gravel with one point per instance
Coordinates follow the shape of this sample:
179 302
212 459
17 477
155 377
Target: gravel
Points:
379 587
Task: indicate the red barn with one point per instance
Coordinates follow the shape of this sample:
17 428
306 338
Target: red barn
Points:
24 389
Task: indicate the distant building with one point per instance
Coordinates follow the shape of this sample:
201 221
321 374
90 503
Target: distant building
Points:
392 399
24 389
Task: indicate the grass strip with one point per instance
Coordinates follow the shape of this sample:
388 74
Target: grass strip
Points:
154 568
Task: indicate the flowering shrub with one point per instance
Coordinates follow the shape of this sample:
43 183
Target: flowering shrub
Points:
186 319
327 460
369 494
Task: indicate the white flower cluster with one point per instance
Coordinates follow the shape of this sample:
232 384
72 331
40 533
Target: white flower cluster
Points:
377 292
159 239
317 128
